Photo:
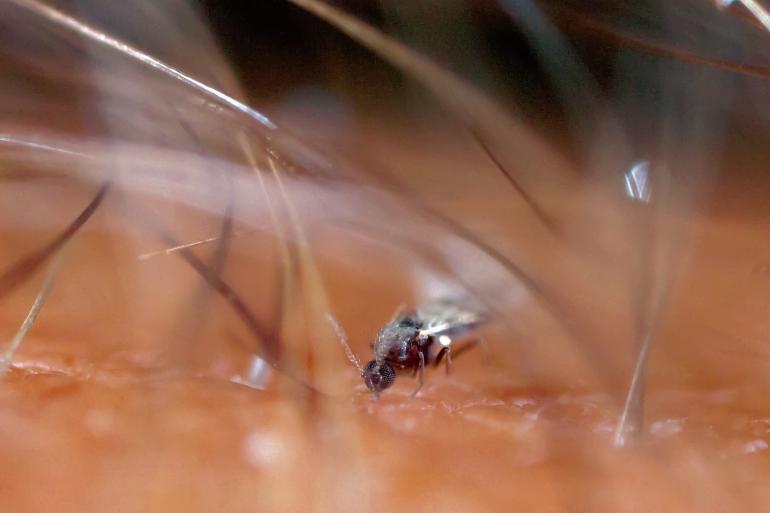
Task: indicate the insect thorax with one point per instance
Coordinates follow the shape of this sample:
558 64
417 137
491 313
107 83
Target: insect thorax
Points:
394 339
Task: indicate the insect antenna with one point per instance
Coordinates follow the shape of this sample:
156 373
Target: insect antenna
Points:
343 339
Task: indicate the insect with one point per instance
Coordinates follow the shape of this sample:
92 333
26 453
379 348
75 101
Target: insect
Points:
409 342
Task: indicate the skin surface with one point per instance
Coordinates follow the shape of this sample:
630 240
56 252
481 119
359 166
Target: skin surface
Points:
124 396
138 389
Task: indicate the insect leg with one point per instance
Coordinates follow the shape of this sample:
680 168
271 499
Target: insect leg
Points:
420 371
440 355
459 351
446 350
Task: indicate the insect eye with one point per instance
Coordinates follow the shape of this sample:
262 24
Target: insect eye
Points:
378 377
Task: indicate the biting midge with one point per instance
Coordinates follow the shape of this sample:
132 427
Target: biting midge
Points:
409 342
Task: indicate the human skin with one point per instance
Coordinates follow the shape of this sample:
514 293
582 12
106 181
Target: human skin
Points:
142 387
122 397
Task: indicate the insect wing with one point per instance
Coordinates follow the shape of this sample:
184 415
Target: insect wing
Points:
448 318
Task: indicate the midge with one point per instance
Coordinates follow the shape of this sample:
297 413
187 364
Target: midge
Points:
416 338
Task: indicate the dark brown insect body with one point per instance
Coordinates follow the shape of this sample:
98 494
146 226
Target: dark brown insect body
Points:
409 340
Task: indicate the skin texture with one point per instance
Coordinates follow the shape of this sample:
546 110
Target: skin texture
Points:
128 395
138 389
